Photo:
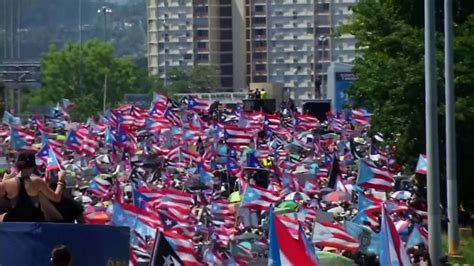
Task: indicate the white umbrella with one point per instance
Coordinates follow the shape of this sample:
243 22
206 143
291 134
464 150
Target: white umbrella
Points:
292 196
83 199
401 195
336 210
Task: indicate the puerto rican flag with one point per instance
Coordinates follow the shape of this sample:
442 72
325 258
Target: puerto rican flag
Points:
284 249
361 116
196 104
237 136
422 165
89 143
258 198
371 176
305 122
73 141
272 120
392 251
334 235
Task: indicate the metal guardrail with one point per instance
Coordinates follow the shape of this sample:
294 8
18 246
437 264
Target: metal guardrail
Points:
223 97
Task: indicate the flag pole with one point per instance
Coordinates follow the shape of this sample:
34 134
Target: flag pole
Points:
451 185
432 146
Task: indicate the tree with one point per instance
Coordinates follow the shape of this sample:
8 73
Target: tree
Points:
196 79
61 72
390 82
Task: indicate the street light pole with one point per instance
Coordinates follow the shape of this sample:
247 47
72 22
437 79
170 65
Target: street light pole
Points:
432 148
105 10
165 81
322 42
451 185
80 45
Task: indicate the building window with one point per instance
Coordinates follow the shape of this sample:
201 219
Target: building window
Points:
188 56
259 9
259 20
260 79
260 67
202 57
322 7
201 45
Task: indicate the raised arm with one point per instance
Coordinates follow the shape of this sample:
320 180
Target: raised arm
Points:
56 195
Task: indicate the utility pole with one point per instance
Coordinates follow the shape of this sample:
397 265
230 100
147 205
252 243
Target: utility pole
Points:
5 34
432 146
12 37
105 94
165 26
80 45
451 173
18 32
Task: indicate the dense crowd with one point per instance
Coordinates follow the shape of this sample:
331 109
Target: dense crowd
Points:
220 185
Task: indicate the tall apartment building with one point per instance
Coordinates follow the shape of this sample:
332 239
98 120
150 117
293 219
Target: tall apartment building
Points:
280 41
183 33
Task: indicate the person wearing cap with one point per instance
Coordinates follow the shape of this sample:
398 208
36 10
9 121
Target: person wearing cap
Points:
23 191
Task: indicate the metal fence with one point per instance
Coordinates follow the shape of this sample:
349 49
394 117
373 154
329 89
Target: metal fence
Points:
222 97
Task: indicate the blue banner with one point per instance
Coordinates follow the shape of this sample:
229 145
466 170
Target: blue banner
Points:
343 82
31 244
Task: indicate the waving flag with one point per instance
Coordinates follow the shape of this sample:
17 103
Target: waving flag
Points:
258 198
392 251
368 239
100 187
418 235
361 116
52 161
9 119
236 136
305 122
173 249
67 104
197 104
283 248
422 165
371 176
17 140
73 141
329 234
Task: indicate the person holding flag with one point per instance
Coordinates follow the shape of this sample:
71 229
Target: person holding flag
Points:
23 191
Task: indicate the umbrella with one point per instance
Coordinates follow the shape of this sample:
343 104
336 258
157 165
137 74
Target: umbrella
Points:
333 259
297 196
83 199
401 195
336 210
337 196
247 236
234 197
286 206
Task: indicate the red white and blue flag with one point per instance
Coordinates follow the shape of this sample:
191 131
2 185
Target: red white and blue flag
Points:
422 165
284 249
258 198
371 176
392 250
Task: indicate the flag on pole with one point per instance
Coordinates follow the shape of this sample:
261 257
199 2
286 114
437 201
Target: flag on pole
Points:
422 165
283 248
392 251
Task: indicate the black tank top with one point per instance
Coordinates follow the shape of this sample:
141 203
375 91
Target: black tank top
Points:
24 210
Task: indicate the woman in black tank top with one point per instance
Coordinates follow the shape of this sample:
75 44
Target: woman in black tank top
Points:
25 207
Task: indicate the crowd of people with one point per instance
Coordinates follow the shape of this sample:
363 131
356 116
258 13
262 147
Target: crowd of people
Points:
219 186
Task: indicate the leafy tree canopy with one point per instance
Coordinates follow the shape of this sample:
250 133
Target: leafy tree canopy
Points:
390 81
196 79
61 72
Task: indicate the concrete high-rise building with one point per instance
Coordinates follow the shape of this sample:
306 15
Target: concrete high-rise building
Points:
183 33
278 41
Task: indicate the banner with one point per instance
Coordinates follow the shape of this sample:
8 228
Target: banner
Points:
32 243
343 82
